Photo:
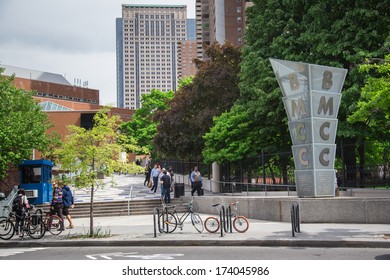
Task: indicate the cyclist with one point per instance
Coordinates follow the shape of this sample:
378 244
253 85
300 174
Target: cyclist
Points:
20 206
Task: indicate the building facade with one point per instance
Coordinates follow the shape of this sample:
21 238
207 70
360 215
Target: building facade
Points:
148 48
219 21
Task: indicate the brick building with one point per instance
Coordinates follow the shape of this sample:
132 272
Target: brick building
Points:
64 103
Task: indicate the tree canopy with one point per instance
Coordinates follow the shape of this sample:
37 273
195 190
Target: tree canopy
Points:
87 153
143 126
334 33
213 90
23 125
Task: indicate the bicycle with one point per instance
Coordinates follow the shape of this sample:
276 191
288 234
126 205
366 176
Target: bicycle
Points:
7 227
53 223
32 224
172 219
240 223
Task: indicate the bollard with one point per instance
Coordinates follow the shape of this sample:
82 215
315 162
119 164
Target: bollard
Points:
222 219
295 219
154 220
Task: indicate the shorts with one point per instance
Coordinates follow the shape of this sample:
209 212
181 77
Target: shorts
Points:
65 211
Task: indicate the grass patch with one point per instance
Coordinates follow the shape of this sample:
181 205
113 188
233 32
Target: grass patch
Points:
98 232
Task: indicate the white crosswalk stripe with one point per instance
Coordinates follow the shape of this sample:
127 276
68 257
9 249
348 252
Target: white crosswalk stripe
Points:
6 252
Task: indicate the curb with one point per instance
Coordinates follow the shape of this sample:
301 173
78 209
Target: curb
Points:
181 243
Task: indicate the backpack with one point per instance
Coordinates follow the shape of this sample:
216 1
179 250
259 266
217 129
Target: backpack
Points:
196 176
17 204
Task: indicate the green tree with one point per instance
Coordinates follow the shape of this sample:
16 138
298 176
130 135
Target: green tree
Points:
213 90
335 33
142 128
88 153
23 125
373 108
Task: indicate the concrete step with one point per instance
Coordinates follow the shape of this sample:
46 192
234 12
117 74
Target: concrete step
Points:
118 208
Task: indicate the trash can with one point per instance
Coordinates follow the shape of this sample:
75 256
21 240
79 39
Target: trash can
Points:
179 190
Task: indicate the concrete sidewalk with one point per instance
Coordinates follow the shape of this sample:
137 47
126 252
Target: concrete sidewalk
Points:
139 230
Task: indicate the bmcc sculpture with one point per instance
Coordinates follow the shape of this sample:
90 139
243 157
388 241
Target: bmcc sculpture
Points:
311 97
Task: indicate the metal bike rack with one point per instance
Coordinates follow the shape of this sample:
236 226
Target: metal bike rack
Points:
295 219
229 219
222 219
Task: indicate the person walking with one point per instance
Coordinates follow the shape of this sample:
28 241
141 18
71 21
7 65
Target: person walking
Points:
196 180
147 174
57 204
154 176
68 202
166 186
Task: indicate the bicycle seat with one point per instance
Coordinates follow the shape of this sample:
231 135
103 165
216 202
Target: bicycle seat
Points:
215 205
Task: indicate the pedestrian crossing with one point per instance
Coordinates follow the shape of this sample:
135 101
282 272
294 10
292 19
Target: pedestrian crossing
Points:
7 252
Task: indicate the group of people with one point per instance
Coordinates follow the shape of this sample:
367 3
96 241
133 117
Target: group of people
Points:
61 202
166 177
156 175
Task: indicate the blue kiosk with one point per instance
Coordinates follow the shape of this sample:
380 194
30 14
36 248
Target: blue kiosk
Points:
36 180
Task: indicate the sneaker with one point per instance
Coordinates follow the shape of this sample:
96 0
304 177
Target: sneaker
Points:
70 226
60 229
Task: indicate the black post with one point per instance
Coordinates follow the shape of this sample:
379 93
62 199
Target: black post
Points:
221 218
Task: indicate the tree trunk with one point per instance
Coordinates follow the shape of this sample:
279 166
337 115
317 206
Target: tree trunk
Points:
91 213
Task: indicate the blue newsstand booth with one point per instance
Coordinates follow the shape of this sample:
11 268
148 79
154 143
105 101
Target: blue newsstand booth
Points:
36 180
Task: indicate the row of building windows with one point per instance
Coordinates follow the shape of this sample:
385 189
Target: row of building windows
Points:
156 38
43 94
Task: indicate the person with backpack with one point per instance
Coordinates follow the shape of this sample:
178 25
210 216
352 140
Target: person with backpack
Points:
196 180
20 206
56 206
68 202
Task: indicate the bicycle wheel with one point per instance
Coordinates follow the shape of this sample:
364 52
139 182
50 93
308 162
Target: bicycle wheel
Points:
211 224
197 222
36 231
167 225
240 224
53 225
7 229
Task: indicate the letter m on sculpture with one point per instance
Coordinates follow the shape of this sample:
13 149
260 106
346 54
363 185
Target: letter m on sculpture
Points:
325 106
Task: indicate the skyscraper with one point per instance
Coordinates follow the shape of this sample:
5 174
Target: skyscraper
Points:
147 40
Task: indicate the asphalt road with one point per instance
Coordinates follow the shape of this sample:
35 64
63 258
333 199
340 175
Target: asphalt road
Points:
193 253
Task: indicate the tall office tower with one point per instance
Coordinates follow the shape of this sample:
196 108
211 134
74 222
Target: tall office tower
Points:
148 50
187 52
220 21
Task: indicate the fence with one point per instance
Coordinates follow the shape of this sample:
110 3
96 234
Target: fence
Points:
275 172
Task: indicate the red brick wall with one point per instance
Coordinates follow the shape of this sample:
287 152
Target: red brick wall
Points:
12 179
58 89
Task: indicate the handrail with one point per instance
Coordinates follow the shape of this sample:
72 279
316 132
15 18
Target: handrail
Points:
8 200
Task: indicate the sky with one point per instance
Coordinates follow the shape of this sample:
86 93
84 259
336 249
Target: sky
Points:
69 37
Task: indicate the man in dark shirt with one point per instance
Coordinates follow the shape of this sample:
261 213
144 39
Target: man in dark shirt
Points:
166 181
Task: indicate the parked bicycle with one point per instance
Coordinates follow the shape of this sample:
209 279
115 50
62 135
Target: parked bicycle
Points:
53 223
240 223
7 227
32 224
171 220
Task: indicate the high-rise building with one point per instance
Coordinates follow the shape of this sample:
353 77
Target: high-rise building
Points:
187 51
219 21
147 45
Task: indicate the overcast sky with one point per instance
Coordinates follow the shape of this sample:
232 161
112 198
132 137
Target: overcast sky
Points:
74 38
